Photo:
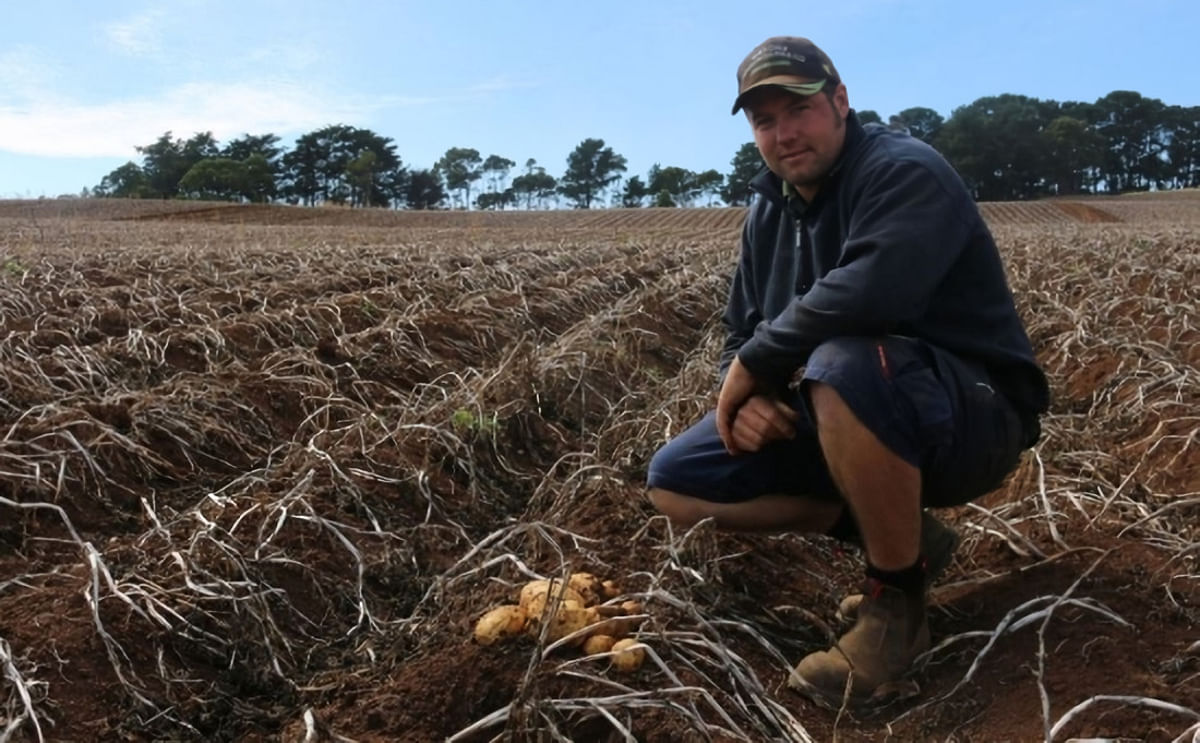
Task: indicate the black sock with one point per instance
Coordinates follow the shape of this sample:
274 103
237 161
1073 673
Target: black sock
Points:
911 579
845 529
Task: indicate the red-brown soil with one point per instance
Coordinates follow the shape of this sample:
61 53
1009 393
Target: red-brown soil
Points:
260 475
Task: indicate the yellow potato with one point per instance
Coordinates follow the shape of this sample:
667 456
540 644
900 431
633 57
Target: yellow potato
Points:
536 595
608 623
629 654
598 644
586 585
620 625
570 617
593 615
499 623
611 589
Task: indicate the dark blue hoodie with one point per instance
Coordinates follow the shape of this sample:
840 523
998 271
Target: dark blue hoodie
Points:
892 243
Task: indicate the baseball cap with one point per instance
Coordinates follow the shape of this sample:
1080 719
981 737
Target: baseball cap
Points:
789 62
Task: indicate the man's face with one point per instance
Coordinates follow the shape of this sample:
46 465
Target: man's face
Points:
799 137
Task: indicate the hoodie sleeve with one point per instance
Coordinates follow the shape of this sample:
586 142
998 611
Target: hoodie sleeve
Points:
741 315
905 231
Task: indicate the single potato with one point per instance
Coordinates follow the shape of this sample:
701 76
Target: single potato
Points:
622 624
586 585
628 655
570 618
598 644
537 594
499 623
611 589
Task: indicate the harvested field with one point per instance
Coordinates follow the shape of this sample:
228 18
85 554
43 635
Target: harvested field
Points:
262 468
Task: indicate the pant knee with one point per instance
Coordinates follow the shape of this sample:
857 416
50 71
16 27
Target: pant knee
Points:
660 474
847 357
834 366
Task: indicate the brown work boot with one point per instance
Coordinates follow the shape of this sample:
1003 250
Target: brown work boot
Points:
868 663
938 543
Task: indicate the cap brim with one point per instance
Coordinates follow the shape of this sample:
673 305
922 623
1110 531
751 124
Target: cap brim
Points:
790 83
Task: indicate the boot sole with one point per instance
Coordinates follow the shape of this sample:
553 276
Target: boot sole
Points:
883 695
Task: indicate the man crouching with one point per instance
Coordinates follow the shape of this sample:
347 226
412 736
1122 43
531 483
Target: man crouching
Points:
875 365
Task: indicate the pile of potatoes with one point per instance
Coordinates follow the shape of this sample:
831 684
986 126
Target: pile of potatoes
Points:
569 609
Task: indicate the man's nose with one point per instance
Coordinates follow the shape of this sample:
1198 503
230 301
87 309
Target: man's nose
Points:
785 130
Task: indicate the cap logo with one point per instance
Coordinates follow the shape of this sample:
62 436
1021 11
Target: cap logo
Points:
778 51
767 64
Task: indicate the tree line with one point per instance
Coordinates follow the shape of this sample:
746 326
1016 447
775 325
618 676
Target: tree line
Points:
1006 147
1012 147
347 165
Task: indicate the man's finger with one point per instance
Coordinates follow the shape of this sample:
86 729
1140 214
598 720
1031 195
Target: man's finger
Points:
752 431
748 434
725 428
788 411
746 440
769 417
764 421
735 390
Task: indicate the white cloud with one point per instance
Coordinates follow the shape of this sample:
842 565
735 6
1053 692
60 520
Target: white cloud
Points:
36 118
139 35
45 124
55 128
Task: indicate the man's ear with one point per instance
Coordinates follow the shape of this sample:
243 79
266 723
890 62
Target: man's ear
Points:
841 100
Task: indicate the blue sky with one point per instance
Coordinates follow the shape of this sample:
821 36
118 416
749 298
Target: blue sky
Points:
82 83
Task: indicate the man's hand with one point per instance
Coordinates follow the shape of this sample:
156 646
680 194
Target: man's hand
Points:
760 421
746 421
